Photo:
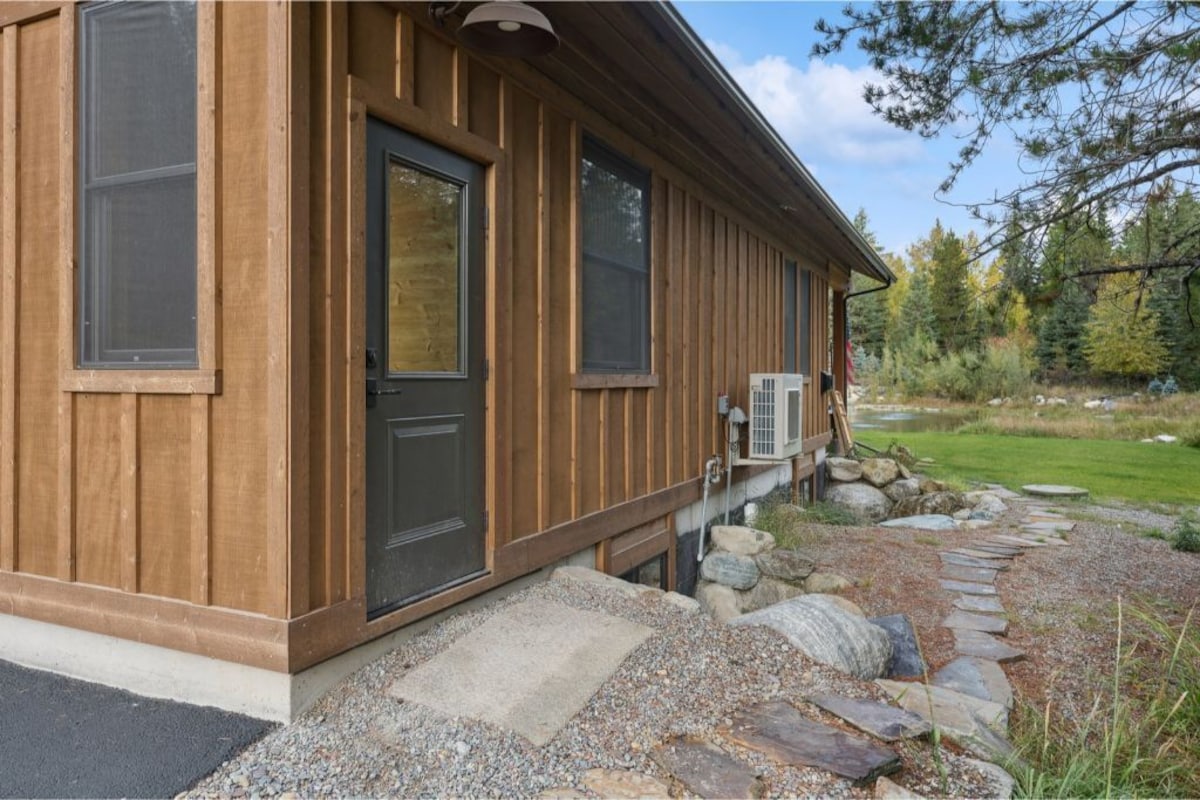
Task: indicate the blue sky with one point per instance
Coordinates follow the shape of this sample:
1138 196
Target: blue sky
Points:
817 107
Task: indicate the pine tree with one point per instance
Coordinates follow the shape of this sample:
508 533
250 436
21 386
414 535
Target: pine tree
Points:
1059 349
952 306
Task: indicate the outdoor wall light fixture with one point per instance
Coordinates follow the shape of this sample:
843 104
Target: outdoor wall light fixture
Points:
502 27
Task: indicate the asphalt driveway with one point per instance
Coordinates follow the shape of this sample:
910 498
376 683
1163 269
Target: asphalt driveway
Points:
61 737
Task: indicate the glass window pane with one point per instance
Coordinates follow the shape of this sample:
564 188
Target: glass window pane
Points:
142 248
141 86
616 264
424 272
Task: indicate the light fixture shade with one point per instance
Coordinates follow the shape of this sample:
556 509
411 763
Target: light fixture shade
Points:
508 28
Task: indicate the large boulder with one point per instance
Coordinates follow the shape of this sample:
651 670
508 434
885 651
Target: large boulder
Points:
767 592
736 572
864 501
937 503
845 470
990 504
826 583
880 471
824 631
741 541
905 487
786 565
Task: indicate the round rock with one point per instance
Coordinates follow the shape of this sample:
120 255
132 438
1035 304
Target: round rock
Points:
865 502
1053 490
741 541
843 469
880 472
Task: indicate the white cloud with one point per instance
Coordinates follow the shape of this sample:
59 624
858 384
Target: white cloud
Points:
819 111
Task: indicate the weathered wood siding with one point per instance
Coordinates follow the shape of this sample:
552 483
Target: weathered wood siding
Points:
153 484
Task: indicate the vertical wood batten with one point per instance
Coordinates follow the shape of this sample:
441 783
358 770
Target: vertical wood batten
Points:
356 295
277 285
542 304
299 477
66 291
336 388
200 533
9 285
129 493
405 86
208 185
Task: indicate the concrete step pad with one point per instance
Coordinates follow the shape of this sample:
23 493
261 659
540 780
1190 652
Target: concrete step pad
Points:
783 734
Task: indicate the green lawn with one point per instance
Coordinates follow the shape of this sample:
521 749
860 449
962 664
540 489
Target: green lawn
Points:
1131 471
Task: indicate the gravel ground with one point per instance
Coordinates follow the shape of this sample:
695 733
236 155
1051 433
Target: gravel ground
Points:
688 678
691 674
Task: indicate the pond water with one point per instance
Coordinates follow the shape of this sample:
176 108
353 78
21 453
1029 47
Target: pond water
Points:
908 420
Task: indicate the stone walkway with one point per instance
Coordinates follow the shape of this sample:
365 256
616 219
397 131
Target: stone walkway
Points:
968 699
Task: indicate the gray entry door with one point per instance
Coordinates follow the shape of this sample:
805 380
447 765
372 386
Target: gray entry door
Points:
424 369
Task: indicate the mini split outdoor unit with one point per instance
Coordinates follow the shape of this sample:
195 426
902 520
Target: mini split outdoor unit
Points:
776 405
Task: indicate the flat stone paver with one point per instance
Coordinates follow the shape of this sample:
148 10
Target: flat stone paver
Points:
970 722
978 677
1047 540
968 561
973 574
972 552
967 587
707 770
878 719
983 645
1051 526
922 522
963 620
783 734
625 784
998 549
528 669
1016 540
1053 490
979 603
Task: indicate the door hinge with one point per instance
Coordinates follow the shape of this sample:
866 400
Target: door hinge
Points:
487 369
486 520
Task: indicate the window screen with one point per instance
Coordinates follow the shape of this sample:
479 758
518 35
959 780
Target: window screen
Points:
789 317
615 196
137 250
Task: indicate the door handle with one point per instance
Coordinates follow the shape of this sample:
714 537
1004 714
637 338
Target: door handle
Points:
374 391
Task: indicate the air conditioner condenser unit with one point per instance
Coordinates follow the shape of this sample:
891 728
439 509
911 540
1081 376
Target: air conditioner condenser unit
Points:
776 414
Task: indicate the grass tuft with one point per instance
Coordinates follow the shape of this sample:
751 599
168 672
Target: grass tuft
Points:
796 527
1140 737
1187 536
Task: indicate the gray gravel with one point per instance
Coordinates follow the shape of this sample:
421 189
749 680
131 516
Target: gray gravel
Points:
687 678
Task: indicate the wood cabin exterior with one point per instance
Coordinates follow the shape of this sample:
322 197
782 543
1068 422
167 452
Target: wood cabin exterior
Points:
212 499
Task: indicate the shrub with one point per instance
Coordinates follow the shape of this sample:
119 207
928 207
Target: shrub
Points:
1187 534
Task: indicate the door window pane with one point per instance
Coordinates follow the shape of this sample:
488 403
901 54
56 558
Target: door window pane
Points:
616 263
137 293
424 272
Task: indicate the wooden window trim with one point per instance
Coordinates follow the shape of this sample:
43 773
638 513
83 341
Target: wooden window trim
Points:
205 378
614 380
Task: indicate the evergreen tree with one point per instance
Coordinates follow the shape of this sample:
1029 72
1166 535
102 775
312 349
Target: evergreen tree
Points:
868 313
1059 348
916 317
952 305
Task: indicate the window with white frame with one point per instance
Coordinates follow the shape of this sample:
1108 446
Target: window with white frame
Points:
137 185
615 210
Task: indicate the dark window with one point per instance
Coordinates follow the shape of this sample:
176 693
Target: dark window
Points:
137 249
615 206
805 342
789 317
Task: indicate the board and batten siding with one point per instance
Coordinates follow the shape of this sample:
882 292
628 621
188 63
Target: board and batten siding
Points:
221 510
139 503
